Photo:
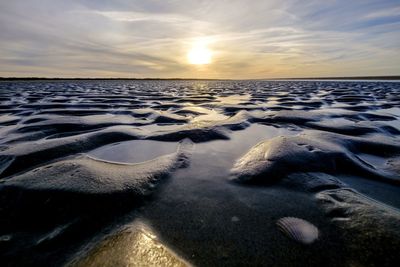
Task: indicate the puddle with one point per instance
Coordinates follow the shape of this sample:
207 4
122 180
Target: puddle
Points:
211 116
134 151
7 118
390 111
233 99
151 128
386 193
337 122
377 162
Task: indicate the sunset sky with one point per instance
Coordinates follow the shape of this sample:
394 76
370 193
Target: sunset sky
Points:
199 39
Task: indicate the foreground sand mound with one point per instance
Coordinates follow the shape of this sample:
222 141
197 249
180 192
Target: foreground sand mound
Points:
312 151
135 245
26 155
88 175
371 228
59 205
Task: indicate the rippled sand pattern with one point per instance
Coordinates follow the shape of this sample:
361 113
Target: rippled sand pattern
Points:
210 165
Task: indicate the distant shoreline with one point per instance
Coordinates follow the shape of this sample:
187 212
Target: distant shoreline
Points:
103 79
394 77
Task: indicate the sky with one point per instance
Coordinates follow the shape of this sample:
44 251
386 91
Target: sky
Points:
244 39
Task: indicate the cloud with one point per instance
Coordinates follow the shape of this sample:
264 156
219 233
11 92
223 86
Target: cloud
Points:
257 39
384 13
138 16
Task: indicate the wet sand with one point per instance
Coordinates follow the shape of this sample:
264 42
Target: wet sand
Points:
117 173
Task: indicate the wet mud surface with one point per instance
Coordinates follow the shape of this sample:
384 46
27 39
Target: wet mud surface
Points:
174 173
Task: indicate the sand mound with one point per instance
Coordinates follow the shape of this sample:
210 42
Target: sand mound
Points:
273 159
29 154
87 175
81 194
135 245
371 228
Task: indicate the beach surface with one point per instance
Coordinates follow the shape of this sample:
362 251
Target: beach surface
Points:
199 173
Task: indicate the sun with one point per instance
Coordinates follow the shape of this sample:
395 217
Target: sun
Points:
199 54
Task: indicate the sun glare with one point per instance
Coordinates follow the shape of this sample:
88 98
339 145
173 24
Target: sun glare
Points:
199 54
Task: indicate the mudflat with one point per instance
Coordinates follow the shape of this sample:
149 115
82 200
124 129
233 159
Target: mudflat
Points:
203 173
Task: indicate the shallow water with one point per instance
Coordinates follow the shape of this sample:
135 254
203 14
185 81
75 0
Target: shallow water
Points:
198 211
133 151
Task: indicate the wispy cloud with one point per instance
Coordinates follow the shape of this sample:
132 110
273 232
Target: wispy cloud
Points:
384 13
140 16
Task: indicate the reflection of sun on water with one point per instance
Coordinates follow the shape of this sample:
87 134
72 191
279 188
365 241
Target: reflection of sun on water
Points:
199 54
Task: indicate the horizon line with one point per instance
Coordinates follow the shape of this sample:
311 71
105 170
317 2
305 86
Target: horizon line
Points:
381 77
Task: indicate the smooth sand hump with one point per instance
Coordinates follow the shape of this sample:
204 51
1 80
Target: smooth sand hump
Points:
28 154
133 246
81 194
273 159
371 228
88 175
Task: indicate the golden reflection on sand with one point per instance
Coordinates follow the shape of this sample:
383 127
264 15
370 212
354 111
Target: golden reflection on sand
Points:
135 246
